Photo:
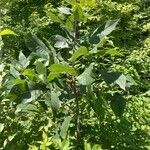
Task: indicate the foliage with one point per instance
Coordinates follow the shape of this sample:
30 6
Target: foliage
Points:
74 76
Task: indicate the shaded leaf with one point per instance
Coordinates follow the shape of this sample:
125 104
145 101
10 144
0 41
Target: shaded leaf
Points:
85 78
31 96
99 44
64 127
118 104
102 31
38 48
114 77
40 68
94 38
55 102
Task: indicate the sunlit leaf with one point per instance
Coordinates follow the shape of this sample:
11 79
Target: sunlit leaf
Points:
78 13
64 10
23 60
1 67
121 81
82 51
53 17
29 73
7 32
109 27
14 72
61 42
112 52
52 76
26 108
59 68
17 81
1 127
11 137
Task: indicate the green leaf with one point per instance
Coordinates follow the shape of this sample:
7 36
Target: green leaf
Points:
130 81
61 42
96 101
87 146
38 48
26 108
31 95
64 10
86 77
11 137
30 73
118 104
147 93
7 32
55 102
17 81
14 72
121 81
94 38
53 17
109 27
66 144
82 51
64 127
23 60
100 44
40 68
52 76
2 67
59 68
114 77
112 52
70 22
99 32
78 13
1 127
71 2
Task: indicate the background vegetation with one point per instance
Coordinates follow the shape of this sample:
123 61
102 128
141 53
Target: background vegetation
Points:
74 74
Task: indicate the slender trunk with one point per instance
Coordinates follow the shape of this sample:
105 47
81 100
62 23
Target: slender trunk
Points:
76 93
